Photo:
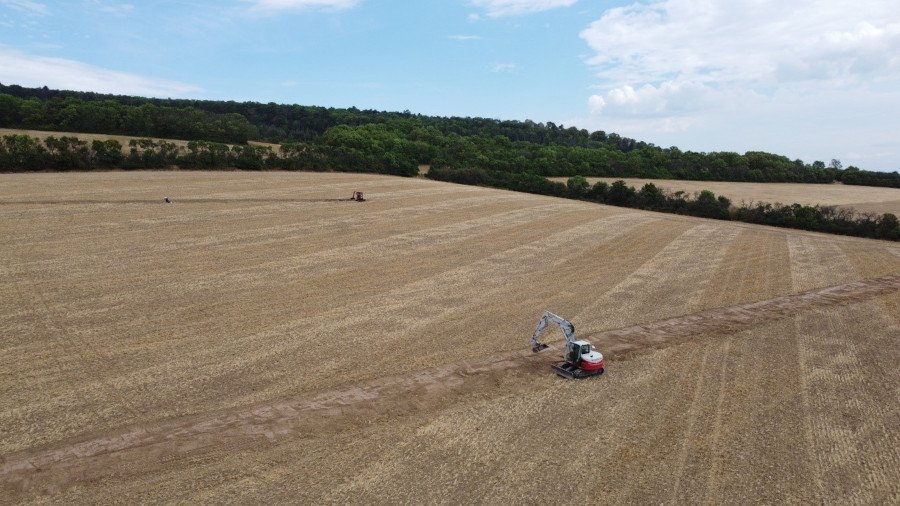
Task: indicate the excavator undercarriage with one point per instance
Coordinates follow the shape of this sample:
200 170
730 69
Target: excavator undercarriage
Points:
572 371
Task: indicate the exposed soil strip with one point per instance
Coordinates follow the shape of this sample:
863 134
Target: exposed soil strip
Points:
415 391
616 343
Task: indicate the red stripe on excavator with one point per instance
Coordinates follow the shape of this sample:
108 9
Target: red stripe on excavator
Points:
589 366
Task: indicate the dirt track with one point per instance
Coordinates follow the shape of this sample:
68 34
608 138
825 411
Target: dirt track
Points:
186 352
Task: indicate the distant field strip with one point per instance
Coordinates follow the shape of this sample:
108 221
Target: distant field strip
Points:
122 139
428 387
861 198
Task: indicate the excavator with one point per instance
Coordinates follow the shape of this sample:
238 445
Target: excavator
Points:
581 360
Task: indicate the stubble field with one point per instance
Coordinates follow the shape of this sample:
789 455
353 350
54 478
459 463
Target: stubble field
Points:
122 139
862 198
263 339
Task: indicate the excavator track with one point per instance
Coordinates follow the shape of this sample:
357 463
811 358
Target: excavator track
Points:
567 370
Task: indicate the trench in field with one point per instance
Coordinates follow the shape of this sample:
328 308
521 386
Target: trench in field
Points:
426 388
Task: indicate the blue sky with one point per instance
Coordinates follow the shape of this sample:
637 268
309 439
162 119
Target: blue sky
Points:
814 80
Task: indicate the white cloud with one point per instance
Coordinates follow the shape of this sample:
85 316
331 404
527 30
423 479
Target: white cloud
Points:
689 66
760 41
283 5
464 37
596 103
665 99
30 70
117 8
497 8
26 6
505 68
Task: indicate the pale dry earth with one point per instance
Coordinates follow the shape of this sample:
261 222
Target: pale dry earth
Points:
861 198
123 139
261 339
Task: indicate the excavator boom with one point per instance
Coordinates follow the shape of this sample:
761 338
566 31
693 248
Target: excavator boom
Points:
567 327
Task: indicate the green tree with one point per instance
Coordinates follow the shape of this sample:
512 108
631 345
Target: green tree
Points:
651 197
620 194
577 185
22 152
889 227
709 206
599 191
107 153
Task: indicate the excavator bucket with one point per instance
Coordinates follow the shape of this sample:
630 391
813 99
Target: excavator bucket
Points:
538 347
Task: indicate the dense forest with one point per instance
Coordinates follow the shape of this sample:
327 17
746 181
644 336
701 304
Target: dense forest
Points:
319 138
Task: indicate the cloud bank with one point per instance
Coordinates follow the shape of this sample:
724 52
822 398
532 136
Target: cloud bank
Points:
677 65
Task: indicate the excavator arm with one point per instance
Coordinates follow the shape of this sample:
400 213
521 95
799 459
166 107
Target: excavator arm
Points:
567 327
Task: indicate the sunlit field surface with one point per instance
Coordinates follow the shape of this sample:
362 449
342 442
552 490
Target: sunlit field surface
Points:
263 338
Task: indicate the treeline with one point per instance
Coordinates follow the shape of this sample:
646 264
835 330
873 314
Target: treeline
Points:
500 154
869 178
375 149
401 138
19 153
705 204
291 122
111 117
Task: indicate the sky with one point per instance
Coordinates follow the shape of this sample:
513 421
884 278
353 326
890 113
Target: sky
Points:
809 79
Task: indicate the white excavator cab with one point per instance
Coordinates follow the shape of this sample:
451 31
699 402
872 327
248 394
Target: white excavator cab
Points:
583 351
577 349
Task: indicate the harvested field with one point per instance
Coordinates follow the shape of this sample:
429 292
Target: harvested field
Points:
262 339
123 139
862 198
